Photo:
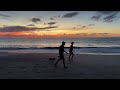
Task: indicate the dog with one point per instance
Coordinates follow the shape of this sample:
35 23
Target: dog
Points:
52 59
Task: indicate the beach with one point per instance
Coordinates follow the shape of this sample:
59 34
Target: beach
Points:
38 66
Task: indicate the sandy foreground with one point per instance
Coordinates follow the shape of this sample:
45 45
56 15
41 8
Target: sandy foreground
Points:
38 66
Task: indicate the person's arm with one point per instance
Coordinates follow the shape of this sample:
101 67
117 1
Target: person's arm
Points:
66 52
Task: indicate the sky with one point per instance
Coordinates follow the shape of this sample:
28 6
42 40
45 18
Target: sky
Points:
68 24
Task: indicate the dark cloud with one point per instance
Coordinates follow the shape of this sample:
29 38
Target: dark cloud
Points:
77 34
4 25
107 12
81 34
80 27
108 16
4 15
52 23
93 34
45 23
64 34
70 15
50 27
52 18
36 20
83 27
103 34
91 24
16 29
31 25
74 27
23 28
96 17
57 16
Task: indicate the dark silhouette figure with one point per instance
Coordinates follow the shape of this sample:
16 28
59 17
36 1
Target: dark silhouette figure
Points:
61 53
71 54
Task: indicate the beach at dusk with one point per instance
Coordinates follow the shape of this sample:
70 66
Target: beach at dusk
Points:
38 66
33 42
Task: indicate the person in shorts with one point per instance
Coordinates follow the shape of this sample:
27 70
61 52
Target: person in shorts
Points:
61 54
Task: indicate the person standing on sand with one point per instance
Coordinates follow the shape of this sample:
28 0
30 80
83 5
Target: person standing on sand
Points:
71 51
61 53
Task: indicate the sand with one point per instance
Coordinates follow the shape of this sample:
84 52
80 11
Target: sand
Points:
38 66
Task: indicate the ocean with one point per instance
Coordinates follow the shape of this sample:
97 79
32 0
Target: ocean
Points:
51 45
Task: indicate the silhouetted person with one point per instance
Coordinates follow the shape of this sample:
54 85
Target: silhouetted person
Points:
61 53
71 54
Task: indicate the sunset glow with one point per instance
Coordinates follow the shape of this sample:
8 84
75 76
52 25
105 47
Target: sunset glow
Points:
42 24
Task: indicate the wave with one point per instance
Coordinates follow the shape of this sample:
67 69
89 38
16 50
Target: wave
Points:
78 50
19 48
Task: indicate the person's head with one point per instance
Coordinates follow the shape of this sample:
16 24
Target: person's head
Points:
63 43
72 43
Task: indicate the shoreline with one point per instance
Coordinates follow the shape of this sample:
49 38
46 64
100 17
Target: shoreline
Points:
16 52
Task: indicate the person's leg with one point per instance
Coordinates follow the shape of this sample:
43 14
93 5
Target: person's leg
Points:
69 56
72 56
57 62
64 62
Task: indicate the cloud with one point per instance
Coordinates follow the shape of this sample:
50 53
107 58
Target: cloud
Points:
16 29
105 16
36 20
83 27
110 18
52 18
31 25
70 15
52 23
57 16
91 24
64 34
50 27
4 25
23 28
96 17
87 26
45 23
81 34
102 34
107 12
4 15
93 34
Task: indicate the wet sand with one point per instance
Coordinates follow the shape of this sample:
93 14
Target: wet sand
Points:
38 66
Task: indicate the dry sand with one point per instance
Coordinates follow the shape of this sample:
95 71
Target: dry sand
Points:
38 66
